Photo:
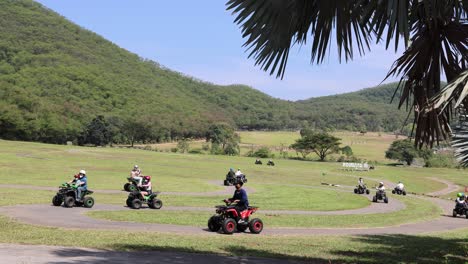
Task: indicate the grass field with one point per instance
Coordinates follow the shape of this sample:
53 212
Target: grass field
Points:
291 185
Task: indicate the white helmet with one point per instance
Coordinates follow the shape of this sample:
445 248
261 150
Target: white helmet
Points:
135 167
381 183
82 172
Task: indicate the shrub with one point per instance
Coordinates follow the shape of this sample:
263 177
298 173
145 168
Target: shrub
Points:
445 160
196 151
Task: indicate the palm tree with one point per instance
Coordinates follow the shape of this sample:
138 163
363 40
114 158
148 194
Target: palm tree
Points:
433 32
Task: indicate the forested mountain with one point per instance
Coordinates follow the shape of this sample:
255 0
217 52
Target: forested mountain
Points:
367 109
56 77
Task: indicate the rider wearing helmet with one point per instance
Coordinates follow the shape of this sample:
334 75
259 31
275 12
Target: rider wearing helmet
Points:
231 174
381 187
146 186
82 184
239 172
460 201
240 198
136 174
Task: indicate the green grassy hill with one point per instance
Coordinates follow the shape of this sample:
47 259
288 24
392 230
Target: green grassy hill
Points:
367 109
55 77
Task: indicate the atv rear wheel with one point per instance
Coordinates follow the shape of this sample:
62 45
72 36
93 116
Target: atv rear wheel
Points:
229 225
136 204
367 192
155 203
393 191
213 223
69 201
88 202
454 213
226 183
404 193
256 226
374 199
355 191
57 200
385 200
126 187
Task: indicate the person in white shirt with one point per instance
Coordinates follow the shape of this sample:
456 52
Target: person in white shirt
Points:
400 186
239 172
136 174
381 187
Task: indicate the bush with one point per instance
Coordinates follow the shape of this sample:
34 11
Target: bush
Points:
262 152
174 150
148 147
441 161
196 151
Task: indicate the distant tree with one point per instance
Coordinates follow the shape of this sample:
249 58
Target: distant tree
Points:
402 150
183 145
321 144
223 139
346 150
135 130
97 132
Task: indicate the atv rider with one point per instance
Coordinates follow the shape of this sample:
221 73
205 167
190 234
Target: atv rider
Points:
230 175
400 186
136 174
146 186
381 187
361 183
240 198
460 202
82 184
239 172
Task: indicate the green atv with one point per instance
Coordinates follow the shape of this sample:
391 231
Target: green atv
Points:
67 195
131 185
135 200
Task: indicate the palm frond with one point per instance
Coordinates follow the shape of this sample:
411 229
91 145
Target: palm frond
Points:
271 27
460 139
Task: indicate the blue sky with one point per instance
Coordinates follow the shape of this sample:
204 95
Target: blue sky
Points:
200 39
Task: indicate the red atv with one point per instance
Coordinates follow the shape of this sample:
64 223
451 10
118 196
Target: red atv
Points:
228 220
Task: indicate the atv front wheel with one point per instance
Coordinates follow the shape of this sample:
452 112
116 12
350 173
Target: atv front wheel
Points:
155 203
132 188
229 225
393 191
69 201
367 192
88 202
256 226
126 187
57 200
374 199
404 193
454 213
136 204
385 200
213 223
355 191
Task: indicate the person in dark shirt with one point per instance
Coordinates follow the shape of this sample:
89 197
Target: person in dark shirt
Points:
239 198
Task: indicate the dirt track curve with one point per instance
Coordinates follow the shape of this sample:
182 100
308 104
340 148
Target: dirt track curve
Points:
75 218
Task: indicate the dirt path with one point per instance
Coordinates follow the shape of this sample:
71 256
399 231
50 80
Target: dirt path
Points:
48 215
52 254
227 190
74 218
451 187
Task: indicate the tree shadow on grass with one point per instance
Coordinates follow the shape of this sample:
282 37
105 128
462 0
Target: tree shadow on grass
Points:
407 249
361 249
128 253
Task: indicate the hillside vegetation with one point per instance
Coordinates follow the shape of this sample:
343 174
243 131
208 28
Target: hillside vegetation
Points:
56 77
